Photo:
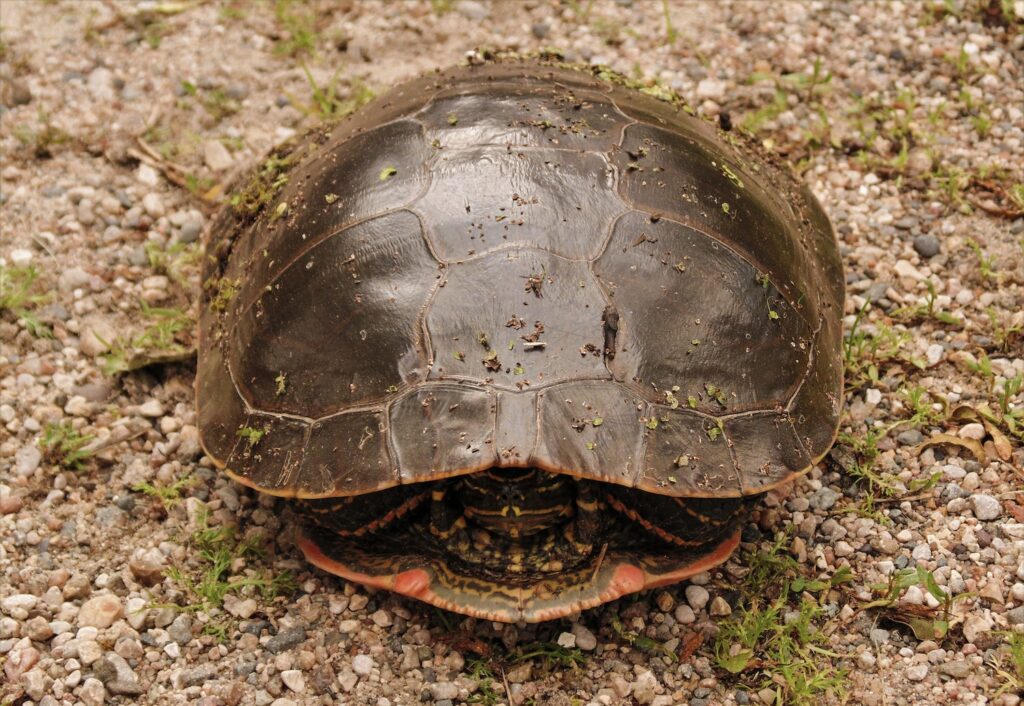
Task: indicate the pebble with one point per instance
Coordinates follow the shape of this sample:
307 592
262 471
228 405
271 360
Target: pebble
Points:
684 614
823 498
363 665
92 692
286 639
926 245
985 507
294 680
472 10
917 672
151 409
19 605
972 431
645 687
243 608
585 639
382 618
720 607
444 690
153 205
216 156
697 597
101 611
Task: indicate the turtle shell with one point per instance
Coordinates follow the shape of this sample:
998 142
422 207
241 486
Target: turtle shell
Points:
520 264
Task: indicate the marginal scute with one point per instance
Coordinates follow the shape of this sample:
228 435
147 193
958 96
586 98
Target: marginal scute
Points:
343 452
516 430
715 327
766 450
442 429
816 405
688 455
484 197
339 327
221 411
269 449
591 429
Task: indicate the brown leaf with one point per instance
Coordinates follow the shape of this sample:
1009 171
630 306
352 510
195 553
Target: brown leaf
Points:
999 440
1016 510
975 447
691 643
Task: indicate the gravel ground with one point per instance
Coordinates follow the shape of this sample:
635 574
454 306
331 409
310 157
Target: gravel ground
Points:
133 572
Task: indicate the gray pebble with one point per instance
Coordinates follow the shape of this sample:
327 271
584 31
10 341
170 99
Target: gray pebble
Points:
926 245
286 639
540 29
472 10
985 507
878 636
1015 616
198 676
823 498
910 437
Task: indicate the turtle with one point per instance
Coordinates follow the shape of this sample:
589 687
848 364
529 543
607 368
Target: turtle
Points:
519 337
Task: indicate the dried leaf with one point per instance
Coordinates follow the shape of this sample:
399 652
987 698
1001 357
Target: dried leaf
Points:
976 449
999 440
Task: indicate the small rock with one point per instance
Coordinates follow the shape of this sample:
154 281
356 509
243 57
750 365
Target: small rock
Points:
958 669
147 565
972 431
151 409
19 605
540 29
101 611
243 608
985 507
910 437
585 639
286 639
975 626
878 636
665 601
873 396
381 618
684 614
153 205
444 690
216 156
1015 616
363 665
919 162
521 673
72 278
20 661
712 89
934 353
472 10
294 680
198 676
92 692
917 672
645 687
823 498
358 602
180 630
720 607
697 597
567 640
926 245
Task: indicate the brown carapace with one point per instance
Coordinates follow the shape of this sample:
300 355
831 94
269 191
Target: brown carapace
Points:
517 339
